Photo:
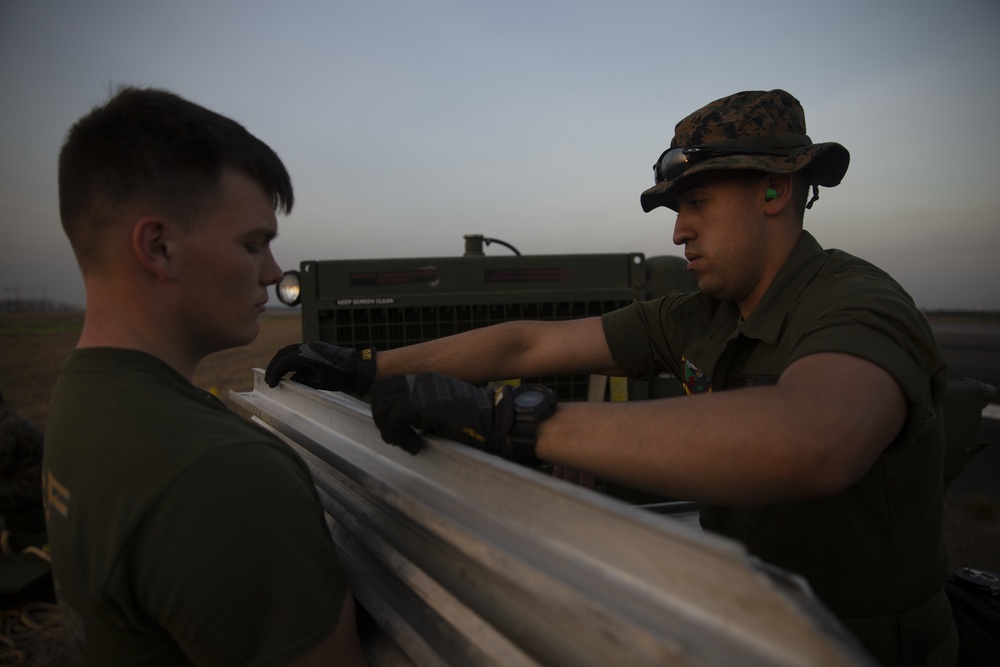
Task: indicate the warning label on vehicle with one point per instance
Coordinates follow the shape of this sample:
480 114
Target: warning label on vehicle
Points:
523 275
404 277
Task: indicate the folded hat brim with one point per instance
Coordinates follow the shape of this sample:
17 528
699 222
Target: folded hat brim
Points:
829 164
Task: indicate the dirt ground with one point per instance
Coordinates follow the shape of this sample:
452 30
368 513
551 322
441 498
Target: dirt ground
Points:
33 347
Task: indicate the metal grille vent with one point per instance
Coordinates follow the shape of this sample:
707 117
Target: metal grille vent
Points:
391 303
392 327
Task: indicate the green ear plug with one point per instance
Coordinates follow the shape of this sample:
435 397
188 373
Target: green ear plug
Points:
770 194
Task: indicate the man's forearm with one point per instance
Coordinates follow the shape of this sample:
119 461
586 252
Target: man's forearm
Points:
506 351
479 355
813 434
679 447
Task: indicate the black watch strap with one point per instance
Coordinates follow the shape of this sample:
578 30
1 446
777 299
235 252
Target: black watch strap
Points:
532 404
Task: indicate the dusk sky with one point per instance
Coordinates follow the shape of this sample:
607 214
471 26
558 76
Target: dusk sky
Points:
407 124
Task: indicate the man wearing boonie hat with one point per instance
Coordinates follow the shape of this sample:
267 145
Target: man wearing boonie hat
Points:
775 309
814 434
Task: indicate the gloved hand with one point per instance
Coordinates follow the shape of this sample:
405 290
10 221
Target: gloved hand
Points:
323 366
440 404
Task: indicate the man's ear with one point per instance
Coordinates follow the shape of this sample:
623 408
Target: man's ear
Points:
152 238
778 193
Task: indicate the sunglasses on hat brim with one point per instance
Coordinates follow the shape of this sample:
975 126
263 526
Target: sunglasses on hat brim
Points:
675 161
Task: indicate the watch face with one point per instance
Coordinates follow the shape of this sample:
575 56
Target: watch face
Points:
529 399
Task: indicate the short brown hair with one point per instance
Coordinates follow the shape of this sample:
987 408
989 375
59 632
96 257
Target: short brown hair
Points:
151 147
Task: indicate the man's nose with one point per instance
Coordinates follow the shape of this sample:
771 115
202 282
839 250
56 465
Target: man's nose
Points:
682 231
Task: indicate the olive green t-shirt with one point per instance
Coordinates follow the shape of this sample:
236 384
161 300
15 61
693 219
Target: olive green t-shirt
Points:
874 552
180 533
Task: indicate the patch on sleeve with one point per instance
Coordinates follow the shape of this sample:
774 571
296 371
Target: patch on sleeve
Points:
56 496
695 381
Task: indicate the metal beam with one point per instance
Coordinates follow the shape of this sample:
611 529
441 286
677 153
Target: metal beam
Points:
466 559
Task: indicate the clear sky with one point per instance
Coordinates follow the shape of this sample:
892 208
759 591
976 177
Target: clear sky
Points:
408 123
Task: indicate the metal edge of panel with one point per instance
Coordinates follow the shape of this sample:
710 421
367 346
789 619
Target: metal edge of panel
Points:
487 561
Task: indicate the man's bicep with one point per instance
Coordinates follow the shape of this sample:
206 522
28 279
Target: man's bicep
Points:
854 403
575 346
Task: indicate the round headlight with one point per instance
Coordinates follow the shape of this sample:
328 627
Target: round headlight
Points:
289 289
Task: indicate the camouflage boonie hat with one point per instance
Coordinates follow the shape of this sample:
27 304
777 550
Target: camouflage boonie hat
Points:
770 122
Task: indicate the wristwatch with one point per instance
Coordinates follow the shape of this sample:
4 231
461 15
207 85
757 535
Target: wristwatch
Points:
533 404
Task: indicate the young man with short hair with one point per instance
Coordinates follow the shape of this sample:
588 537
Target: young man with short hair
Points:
181 534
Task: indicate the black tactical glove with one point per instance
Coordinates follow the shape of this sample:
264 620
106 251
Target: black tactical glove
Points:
323 366
482 418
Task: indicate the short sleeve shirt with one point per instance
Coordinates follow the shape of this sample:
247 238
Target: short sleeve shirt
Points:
180 532
873 551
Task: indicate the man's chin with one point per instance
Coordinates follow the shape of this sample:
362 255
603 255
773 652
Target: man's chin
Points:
245 337
703 283
252 333
708 288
